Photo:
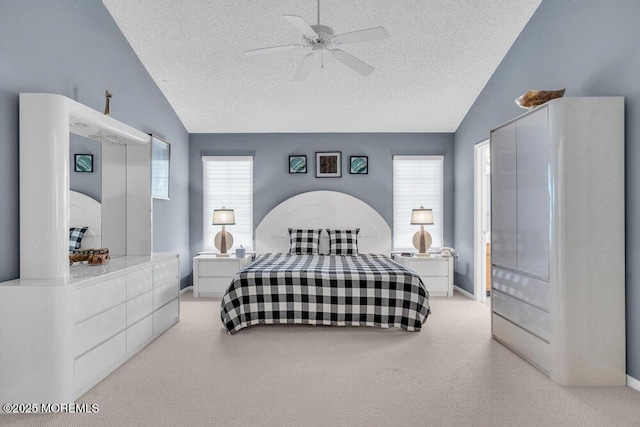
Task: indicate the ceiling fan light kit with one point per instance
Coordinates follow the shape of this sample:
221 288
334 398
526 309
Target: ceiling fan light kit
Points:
320 39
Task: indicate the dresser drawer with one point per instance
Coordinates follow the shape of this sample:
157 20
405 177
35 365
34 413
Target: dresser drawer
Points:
226 268
534 291
139 281
437 286
430 268
139 307
213 286
522 314
165 293
165 271
165 316
524 343
93 366
99 328
139 333
100 296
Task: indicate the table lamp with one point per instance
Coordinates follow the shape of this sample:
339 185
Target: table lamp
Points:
422 238
223 239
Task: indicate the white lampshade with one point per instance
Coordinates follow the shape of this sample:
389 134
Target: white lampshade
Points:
223 217
422 216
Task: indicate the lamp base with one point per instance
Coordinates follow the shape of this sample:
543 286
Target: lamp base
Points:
427 242
222 255
422 254
217 242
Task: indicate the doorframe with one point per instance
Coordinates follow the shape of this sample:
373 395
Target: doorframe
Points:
479 248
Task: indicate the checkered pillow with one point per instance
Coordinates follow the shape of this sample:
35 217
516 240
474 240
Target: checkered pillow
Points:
304 241
343 242
75 237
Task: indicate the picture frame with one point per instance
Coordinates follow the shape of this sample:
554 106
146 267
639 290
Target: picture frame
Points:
160 168
359 165
83 163
297 163
328 164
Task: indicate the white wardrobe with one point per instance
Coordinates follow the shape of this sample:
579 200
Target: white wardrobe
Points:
558 235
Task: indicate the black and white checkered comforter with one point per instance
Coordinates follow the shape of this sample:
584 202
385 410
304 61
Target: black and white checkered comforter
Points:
362 290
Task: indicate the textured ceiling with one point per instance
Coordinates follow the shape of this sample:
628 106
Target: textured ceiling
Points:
438 58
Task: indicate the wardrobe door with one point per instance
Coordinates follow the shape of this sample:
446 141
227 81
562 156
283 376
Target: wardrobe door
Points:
503 196
533 179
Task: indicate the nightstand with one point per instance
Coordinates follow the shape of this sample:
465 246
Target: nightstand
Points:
436 272
212 275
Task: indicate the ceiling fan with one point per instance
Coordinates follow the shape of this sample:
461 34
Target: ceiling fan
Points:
320 39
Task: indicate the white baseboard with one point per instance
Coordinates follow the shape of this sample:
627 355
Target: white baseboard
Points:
633 383
463 292
188 288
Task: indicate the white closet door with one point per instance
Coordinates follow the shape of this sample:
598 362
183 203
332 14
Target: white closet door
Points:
533 182
503 196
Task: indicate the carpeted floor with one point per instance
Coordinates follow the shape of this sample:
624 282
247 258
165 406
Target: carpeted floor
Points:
451 373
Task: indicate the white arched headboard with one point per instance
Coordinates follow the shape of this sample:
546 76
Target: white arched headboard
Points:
323 209
86 212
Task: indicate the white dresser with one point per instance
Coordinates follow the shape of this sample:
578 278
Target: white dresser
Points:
436 272
60 338
558 259
212 275
64 328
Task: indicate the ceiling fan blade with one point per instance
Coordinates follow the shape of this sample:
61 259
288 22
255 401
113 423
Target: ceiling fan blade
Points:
260 51
304 69
352 62
301 25
377 33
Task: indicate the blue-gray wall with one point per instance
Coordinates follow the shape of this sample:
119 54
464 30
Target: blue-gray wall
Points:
272 182
591 48
75 49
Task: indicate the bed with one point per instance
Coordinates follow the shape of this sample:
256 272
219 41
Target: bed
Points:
366 289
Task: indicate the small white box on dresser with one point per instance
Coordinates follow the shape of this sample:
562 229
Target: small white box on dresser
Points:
435 271
212 275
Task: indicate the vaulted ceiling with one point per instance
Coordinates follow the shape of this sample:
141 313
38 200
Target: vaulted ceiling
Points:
428 73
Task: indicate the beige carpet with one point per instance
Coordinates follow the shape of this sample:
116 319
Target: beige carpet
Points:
451 373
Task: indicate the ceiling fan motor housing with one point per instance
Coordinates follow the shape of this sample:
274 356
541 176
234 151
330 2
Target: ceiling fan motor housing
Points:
325 34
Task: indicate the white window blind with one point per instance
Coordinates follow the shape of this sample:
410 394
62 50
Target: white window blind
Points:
228 182
160 152
417 181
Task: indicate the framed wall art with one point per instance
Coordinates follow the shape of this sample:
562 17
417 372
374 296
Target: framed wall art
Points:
298 163
359 165
83 162
160 168
328 164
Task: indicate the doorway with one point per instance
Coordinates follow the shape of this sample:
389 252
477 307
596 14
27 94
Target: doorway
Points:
482 221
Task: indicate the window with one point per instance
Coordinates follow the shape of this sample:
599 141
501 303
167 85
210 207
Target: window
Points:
228 182
417 181
160 168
